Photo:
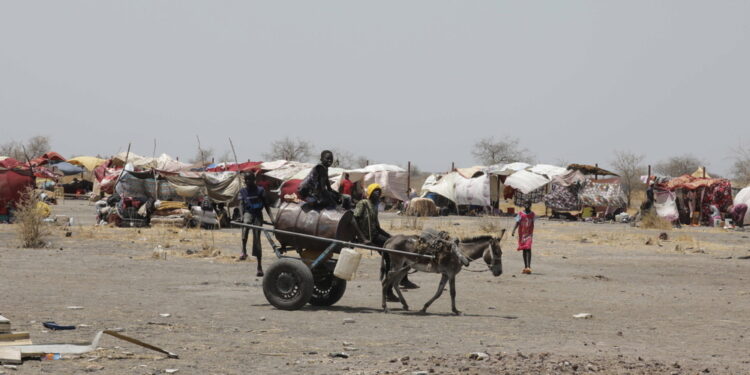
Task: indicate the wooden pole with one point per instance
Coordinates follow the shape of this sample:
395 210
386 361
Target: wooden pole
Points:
408 179
453 166
704 171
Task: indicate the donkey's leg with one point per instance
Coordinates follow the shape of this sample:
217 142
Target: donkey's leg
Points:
453 295
386 282
397 281
441 286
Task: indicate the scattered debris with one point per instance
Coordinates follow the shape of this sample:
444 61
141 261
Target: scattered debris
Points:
75 307
171 370
349 321
663 236
57 327
479 356
262 318
339 355
583 316
165 315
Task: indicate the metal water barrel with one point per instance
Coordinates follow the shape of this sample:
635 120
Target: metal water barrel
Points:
293 217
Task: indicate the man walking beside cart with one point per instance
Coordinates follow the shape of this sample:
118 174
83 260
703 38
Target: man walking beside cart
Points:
368 228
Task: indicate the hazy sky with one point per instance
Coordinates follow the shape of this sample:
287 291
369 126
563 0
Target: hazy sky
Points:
390 80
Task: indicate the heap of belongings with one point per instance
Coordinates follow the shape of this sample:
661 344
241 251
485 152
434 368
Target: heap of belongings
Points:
440 245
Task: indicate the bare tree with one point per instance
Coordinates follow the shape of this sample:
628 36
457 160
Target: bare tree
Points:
361 162
741 166
225 157
489 151
203 155
36 146
630 167
678 165
290 149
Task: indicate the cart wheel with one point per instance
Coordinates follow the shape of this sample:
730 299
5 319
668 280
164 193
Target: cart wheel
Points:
288 284
328 290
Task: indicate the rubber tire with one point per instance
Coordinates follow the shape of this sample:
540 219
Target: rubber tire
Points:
334 293
304 284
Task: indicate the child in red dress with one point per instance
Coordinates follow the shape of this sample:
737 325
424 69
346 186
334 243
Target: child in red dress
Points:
525 225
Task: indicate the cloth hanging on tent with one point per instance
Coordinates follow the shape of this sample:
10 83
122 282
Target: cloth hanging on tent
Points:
602 193
535 196
563 198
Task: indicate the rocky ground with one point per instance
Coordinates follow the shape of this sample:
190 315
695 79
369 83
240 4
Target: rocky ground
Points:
657 306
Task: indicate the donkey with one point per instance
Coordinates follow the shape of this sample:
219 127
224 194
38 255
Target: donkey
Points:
486 247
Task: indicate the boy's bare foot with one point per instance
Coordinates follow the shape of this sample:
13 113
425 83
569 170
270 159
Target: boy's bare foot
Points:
243 256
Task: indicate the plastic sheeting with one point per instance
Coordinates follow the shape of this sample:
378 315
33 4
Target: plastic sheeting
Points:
744 197
507 169
12 184
88 162
473 191
525 181
67 169
220 187
665 204
548 170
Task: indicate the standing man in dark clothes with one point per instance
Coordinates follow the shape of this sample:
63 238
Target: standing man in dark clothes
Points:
253 200
316 189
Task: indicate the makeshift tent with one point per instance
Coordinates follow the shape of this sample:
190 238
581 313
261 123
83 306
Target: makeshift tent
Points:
443 185
525 181
221 187
392 179
50 157
744 197
12 185
471 171
459 189
88 162
9 163
564 191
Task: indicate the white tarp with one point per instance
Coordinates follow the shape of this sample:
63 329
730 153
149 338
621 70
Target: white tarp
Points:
744 197
507 169
664 202
473 191
525 181
548 170
444 185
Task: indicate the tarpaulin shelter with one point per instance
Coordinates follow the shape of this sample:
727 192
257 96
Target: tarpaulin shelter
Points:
743 196
88 162
707 192
67 169
507 169
525 181
9 163
564 191
12 184
49 157
220 187
392 179
459 189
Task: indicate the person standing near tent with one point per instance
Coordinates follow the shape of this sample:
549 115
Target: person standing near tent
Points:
253 200
525 226
346 186
368 229
316 189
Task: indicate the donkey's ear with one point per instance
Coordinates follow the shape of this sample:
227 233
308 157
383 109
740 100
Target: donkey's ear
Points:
502 233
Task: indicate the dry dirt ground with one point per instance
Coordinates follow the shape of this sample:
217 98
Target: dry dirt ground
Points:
678 306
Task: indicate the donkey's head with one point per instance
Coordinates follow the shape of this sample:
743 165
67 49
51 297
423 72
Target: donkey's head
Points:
493 255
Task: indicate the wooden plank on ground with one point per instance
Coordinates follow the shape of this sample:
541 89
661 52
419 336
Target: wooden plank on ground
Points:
16 342
13 336
4 324
10 356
